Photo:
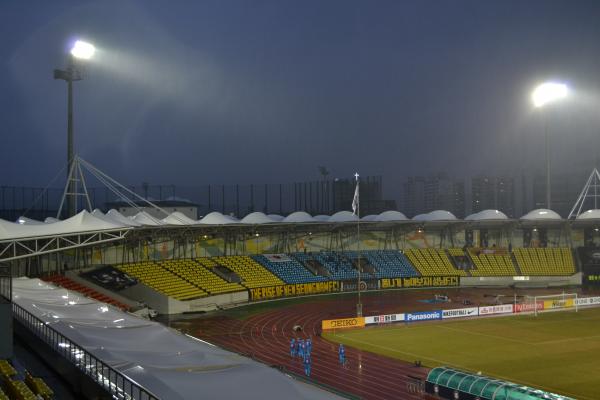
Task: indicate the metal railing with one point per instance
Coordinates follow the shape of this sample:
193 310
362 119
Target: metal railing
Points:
5 282
111 380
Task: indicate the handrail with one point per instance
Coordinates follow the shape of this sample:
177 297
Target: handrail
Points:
111 380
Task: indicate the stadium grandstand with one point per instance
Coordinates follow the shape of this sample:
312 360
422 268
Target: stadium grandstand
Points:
109 270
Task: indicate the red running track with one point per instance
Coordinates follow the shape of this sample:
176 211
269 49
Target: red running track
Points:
266 337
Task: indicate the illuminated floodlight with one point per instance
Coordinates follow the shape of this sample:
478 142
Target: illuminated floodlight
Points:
548 92
83 50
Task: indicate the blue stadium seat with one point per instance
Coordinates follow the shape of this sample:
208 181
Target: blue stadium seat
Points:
289 271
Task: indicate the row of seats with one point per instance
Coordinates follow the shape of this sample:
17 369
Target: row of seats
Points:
289 270
390 264
198 275
545 261
31 388
163 280
431 262
70 284
492 263
187 279
252 273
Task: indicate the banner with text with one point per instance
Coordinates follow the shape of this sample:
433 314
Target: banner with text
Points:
423 316
421 282
587 301
273 292
460 312
384 319
529 307
501 309
558 303
344 323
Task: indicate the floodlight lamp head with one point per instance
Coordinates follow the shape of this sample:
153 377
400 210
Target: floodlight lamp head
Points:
548 92
83 50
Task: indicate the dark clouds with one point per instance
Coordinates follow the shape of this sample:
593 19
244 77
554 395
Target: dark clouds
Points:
265 91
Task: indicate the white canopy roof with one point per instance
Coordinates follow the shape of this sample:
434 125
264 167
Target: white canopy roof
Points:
171 365
486 215
82 222
146 219
256 217
276 217
216 218
178 218
589 214
391 216
28 221
120 218
51 220
541 214
321 218
437 215
343 216
369 218
299 216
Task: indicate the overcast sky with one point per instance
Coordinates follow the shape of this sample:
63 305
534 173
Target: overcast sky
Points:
224 91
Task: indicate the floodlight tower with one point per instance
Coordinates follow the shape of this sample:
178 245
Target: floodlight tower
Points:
81 51
544 94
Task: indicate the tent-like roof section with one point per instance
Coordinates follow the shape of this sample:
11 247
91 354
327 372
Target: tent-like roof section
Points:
589 214
28 221
82 222
256 217
437 215
487 215
120 218
387 216
276 217
50 220
178 218
321 218
541 214
343 216
169 364
146 219
299 216
369 218
216 218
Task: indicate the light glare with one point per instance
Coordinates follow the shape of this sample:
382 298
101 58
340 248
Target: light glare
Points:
548 92
83 50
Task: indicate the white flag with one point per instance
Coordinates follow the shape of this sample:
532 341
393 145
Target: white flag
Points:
355 199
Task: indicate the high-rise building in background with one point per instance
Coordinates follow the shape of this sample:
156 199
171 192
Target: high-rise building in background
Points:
564 190
493 193
436 192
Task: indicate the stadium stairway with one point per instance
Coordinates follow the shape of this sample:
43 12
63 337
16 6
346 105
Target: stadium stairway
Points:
70 284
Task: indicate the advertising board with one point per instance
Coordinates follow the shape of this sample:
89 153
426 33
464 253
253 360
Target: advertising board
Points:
384 319
500 309
460 312
344 323
423 316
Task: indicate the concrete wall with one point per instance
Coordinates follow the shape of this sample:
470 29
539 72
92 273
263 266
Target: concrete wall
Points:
523 281
167 305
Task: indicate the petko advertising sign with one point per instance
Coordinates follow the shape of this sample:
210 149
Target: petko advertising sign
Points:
501 309
460 313
423 316
344 323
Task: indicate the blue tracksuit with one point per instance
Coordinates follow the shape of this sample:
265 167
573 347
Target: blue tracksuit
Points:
292 347
307 365
342 354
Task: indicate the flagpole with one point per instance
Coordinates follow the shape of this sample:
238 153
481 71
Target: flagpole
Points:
357 200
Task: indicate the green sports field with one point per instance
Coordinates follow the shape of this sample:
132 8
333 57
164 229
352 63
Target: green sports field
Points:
557 351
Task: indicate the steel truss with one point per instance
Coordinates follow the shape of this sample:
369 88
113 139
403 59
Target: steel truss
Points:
15 249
